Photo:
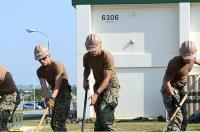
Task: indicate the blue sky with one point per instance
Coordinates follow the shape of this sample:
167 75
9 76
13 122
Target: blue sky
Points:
56 18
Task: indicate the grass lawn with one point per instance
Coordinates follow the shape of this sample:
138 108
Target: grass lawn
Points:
120 126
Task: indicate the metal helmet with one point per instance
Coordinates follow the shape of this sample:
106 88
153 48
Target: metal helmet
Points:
41 51
93 42
188 50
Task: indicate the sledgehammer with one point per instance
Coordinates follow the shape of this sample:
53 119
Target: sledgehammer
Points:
182 101
84 110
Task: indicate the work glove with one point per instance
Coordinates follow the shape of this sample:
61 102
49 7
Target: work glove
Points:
49 102
175 101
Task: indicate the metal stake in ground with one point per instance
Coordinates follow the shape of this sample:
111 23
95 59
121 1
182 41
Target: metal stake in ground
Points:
84 110
182 101
42 119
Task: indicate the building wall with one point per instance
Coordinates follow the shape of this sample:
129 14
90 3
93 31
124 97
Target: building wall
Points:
195 23
153 29
142 38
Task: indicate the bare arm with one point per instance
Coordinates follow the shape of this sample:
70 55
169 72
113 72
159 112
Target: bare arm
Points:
102 87
197 62
44 87
86 73
58 81
168 88
104 84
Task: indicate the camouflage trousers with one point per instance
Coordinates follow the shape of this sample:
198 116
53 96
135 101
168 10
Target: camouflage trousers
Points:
7 104
105 106
179 123
60 111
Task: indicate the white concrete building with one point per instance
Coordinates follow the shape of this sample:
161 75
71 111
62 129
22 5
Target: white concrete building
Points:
143 36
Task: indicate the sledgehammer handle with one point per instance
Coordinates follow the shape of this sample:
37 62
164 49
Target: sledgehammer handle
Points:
84 111
42 119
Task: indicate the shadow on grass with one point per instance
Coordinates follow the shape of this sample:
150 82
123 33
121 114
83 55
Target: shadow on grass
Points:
138 119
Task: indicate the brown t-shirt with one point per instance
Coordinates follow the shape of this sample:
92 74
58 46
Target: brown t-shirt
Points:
7 84
98 64
177 71
51 72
